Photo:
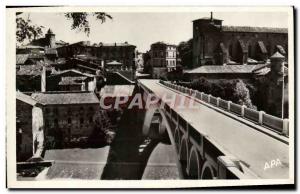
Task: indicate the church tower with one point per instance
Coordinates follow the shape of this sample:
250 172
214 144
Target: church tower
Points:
50 37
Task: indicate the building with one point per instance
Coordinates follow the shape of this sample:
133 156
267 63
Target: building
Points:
121 52
49 41
71 80
215 44
67 116
162 58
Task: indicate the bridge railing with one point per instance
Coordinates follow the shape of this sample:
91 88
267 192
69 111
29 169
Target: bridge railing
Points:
277 124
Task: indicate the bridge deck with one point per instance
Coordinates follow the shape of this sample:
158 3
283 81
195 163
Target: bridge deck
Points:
238 139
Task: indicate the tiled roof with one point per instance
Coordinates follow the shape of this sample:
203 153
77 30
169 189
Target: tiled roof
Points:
51 51
25 98
254 29
21 58
73 71
117 90
114 63
29 70
52 98
30 47
224 69
165 43
72 80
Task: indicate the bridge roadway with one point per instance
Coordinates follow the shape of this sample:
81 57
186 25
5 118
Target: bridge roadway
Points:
247 144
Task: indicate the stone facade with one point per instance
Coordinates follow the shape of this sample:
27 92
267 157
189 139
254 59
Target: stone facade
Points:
64 122
67 115
215 44
163 58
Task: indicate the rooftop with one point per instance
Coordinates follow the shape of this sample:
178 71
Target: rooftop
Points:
29 70
21 58
225 69
254 29
63 98
25 98
72 80
74 71
165 43
114 63
117 90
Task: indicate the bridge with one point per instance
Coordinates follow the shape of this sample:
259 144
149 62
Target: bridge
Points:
216 139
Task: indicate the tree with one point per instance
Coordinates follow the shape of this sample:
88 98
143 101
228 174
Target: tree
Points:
80 21
27 30
234 90
185 50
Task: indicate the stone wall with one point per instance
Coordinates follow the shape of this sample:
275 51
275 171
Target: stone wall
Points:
24 130
65 122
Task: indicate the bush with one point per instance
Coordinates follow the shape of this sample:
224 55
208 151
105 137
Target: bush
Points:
234 90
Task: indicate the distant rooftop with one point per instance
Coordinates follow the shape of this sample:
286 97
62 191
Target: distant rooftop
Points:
117 90
161 42
209 69
101 44
21 58
63 98
254 29
25 98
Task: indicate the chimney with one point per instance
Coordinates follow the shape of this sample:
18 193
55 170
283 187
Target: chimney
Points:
43 80
211 16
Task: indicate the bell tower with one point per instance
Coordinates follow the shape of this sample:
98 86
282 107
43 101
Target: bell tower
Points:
50 37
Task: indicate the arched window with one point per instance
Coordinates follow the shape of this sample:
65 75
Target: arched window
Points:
250 51
230 50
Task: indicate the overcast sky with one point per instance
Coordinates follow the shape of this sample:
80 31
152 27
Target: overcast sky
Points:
143 29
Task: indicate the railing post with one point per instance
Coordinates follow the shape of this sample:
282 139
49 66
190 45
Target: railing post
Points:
218 101
208 100
285 129
260 117
228 107
191 91
243 110
201 95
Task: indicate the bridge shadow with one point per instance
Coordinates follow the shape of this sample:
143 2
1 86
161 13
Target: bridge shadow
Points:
130 150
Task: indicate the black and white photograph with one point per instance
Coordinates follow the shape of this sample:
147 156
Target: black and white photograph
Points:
149 97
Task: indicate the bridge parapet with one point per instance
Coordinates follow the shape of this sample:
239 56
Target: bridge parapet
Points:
201 158
259 117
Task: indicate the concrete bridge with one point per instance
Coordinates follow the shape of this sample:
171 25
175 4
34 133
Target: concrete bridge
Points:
216 139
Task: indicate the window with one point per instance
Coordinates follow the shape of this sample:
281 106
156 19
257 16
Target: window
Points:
91 119
81 109
81 121
69 120
55 122
55 110
91 109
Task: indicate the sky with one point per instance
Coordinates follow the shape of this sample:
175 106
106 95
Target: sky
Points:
143 29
